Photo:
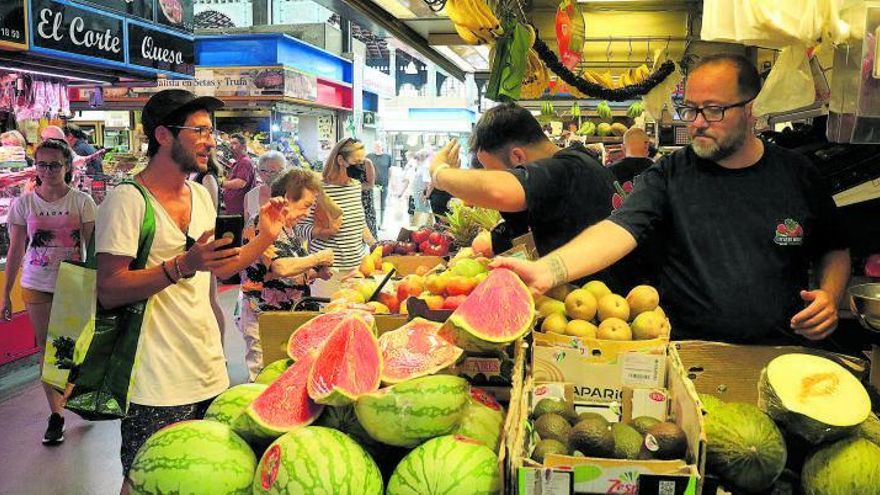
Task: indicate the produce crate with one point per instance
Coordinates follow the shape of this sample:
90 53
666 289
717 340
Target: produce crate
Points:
277 326
407 265
598 369
620 476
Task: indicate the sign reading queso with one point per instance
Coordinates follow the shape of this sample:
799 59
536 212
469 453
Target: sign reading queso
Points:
160 50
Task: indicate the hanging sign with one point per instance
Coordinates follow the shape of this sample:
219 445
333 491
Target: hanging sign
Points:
160 50
13 26
81 31
177 14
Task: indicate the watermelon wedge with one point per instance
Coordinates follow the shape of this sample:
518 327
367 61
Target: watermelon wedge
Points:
284 406
348 365
499 311
311 335
415 350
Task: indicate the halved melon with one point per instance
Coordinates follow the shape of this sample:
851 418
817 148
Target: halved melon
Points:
309 338
415 350
348 364
812 396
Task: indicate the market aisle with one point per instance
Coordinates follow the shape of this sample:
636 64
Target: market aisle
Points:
87 463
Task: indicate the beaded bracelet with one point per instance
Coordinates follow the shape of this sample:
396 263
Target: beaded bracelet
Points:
167 275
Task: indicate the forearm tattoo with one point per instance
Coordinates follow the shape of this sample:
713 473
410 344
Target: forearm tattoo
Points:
557 268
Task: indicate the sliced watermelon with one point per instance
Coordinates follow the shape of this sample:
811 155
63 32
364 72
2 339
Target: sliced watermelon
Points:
309 338
284 406
499 311
348 365
415 350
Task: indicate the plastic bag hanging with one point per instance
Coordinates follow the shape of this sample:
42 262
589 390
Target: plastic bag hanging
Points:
789 85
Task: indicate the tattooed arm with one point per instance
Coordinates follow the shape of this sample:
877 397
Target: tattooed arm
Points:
592 250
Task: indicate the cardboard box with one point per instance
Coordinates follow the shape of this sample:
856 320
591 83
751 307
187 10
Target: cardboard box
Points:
620 476
599 369
407 265
731 372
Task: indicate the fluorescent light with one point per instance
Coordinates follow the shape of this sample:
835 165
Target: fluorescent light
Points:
49 74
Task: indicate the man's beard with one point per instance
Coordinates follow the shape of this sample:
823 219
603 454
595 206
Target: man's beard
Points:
717 150
185 160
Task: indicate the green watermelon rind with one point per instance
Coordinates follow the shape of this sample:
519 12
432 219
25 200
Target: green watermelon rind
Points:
482 423
229 405
808 428
271 372
320 460
447 464
754 467
464 335
336 395
407 414
846 467
167 462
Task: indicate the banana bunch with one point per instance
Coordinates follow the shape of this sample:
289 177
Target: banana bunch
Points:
474 21
575 110
635 110
587 128
630 77
604 111
547 109
536 78
603 79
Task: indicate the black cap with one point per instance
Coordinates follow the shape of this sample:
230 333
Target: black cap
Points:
167 103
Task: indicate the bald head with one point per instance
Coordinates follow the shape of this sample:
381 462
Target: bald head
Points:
635 143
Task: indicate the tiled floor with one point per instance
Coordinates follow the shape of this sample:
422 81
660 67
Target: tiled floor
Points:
87 463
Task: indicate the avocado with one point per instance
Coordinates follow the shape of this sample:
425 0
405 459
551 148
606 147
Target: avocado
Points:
589 415
549 405
627 441
548 446
666 441
552 425
643 423
592 437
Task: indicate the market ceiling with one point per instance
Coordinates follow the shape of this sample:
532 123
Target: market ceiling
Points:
619 32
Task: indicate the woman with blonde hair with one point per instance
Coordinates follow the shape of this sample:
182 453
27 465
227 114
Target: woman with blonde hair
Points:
352 233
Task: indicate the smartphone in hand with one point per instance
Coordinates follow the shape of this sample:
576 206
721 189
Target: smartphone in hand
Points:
229 226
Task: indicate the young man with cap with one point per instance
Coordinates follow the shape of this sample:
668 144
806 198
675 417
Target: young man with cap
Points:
181 366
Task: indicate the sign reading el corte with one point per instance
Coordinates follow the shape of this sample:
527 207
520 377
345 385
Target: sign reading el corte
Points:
82 31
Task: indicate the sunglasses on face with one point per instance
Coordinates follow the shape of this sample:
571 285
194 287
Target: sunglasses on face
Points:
49 165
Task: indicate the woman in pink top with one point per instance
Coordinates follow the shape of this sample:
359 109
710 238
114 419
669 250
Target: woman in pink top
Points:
47 226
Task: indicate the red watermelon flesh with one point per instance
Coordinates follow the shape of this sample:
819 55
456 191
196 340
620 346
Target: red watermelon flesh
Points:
499 311
284 406
309 338
415 350
348 365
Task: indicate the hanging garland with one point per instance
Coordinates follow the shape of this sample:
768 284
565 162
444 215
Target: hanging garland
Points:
595 90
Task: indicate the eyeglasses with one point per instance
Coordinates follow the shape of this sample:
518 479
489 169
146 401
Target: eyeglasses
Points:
203 131
710 113
49 165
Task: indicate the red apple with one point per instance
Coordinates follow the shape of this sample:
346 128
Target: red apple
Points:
424 247
452 302
436 238
420 235
391 301
457 285
412 285
387 248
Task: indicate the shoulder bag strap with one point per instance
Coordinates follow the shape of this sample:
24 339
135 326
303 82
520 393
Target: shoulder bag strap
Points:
145 240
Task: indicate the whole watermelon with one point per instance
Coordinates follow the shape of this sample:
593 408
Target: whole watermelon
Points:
317 460
745 448
848 467
448 464
483 419
192 458
229 405
273 370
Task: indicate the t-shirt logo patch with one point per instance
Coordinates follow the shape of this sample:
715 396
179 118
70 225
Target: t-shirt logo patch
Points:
789 233
622 193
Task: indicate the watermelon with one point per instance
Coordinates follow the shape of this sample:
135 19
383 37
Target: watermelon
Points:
483 419
317 460
448 464
710 402
745 448
870 429
348 365
229 405
310 337
415 350
805 394
193 457
270 373
499 311
284 406
407 414
848 467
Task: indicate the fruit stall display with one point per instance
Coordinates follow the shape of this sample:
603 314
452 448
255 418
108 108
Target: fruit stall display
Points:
350 410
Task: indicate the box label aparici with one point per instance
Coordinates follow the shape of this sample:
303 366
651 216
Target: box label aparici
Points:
160 50
76 30
12 25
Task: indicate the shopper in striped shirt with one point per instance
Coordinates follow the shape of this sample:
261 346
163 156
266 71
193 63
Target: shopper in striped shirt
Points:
349 242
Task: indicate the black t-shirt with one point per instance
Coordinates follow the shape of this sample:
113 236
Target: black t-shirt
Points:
565 194
381 163
627 169
737 243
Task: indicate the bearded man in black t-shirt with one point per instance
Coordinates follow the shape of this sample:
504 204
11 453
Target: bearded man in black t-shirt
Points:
553 192
743 222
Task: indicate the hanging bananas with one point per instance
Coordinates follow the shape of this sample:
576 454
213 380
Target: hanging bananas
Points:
536 77
474 21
